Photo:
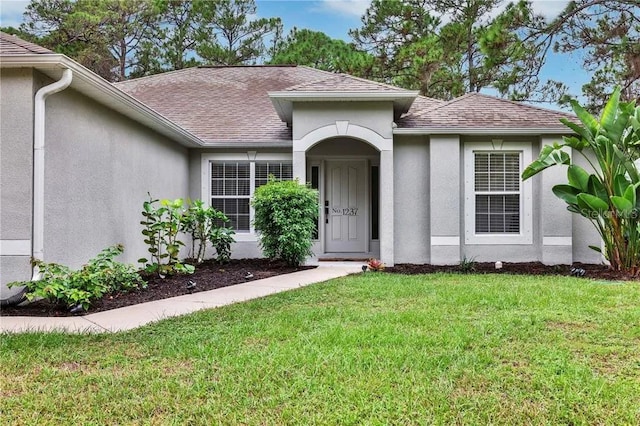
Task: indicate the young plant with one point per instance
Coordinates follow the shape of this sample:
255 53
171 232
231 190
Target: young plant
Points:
206 224
609 196
101 275
375 265
285 215
161 228
467 265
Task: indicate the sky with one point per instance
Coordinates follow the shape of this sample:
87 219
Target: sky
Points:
336 17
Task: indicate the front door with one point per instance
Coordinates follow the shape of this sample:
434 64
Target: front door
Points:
345 206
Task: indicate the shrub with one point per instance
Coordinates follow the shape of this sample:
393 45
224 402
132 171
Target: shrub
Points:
161 227
285 216
206 224
101 275
609 197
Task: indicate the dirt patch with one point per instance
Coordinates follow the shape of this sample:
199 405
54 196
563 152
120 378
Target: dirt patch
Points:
596 272
208 276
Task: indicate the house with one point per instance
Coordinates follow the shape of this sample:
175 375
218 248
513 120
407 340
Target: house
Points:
401 177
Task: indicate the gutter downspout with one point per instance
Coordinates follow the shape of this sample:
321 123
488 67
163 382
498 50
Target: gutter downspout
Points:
37 247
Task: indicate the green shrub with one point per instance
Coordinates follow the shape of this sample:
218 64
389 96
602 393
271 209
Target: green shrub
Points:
101 275
285 216
206 224
161 227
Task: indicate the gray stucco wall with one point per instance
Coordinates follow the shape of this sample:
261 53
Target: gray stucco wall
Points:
99 166
16 160
412 197
376 116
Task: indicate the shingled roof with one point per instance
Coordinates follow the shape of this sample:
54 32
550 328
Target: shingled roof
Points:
12 45
475 110
231 104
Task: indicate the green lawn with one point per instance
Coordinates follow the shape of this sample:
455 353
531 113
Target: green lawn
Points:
366 349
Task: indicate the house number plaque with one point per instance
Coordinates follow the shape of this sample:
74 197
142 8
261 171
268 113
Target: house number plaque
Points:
351 211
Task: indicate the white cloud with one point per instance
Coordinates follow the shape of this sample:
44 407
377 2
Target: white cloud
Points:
349 7
550 9
11 12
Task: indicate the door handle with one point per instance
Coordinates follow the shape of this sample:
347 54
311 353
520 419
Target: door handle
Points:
326 211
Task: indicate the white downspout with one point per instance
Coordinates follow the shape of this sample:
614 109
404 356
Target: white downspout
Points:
37 247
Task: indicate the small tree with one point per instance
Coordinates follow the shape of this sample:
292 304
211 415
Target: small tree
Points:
285 215
610 196
206 224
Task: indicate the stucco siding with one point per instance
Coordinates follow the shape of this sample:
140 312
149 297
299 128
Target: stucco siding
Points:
411 202
16 162
584 233
99 166
376 116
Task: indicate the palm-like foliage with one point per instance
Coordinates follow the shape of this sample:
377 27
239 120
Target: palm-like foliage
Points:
609 197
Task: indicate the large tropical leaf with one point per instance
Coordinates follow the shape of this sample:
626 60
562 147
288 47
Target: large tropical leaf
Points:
597 189
587 119
550 155
578 177
579 130
620 185
567 193
575 143
592 203
610 111
621 204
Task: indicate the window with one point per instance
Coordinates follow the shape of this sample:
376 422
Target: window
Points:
229 183
497 202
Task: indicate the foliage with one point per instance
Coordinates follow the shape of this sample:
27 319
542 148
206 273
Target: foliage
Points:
375 265
609 197
122 38
476 48
605 35
232 34
206 224
467 265
316 49
286 213
161 227
101 275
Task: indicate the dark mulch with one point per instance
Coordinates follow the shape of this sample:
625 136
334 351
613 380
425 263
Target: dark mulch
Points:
208 276
598 272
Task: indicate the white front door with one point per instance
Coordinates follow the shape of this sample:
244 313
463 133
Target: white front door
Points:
345 206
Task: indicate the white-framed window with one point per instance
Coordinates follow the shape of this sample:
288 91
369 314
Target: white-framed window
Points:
498 205
229 181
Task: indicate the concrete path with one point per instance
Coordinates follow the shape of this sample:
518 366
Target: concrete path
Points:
135 316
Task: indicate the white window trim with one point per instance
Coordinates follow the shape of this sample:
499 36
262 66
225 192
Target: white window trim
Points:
252 157
526 202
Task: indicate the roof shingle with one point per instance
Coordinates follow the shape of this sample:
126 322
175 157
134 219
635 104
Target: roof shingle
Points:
12 45
475 110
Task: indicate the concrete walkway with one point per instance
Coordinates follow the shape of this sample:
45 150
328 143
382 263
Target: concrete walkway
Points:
135 316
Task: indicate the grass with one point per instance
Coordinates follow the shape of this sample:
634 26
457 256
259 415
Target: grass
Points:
366 349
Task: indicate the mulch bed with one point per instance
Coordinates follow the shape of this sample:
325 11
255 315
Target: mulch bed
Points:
597 272
208 276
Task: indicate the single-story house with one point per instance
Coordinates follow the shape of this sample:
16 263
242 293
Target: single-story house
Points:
401 177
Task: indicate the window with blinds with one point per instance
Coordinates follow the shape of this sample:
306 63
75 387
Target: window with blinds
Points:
233 183
280 171
231 191
497 192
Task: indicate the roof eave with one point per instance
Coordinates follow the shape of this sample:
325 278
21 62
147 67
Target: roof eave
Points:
283 100
94 86
482 131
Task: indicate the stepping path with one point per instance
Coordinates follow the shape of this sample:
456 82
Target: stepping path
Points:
134 316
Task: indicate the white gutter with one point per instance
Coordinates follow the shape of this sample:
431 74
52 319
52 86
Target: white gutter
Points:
482 131
38 163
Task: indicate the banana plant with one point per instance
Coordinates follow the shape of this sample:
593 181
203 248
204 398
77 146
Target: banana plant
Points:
609 194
